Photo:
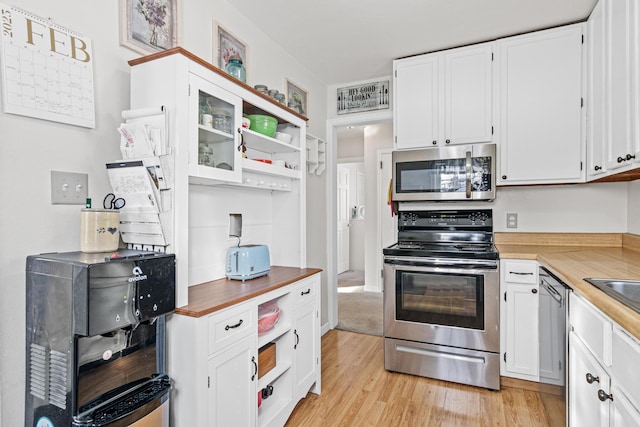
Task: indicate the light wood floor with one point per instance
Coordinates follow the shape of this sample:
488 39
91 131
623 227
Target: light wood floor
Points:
357 391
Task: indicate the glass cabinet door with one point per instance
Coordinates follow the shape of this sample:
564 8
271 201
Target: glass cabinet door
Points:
215 117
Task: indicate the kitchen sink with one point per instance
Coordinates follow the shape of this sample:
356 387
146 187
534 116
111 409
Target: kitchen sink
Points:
625 291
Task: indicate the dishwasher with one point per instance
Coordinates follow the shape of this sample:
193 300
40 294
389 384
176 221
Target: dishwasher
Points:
553 332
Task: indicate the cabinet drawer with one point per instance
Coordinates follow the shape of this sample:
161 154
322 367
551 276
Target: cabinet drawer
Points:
593 328
230 325
520 271
624 370
305 291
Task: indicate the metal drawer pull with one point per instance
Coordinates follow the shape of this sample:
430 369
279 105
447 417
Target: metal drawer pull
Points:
255 368
295 346
308 291
226 328
518 273
604 396
591 379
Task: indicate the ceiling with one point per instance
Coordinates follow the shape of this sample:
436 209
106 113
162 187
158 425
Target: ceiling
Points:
345 41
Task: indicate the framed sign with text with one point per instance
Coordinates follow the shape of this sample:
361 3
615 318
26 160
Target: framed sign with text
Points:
364 97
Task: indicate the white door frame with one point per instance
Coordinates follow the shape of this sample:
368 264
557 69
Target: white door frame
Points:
332 226
381 198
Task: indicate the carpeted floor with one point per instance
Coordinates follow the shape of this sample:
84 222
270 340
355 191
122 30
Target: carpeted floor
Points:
358 311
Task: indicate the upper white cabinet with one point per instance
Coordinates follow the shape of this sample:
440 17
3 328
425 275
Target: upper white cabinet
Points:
539 96
596 93
443 98
613 101
215 114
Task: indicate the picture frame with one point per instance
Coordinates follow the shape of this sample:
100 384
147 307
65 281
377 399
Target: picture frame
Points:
148 26
226 44
297 97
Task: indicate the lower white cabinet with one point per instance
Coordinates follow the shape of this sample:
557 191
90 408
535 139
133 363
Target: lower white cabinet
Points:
216 361
603 380
231 382
519 319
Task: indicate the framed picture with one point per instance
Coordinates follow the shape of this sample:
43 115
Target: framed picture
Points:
148 26
226 45
297 98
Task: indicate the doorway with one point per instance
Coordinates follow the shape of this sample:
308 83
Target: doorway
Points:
357 197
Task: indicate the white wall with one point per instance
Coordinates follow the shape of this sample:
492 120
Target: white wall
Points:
579 208
634 208
32 148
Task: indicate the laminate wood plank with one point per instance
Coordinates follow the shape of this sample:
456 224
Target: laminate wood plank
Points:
358 391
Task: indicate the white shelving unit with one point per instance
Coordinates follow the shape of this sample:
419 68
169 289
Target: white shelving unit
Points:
316 155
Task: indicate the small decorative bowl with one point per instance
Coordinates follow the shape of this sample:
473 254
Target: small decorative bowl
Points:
284 137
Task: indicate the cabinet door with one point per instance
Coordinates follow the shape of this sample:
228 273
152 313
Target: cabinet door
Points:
233 395
623 413
522 331
596 93
586 378
416 102
468 92
214 115
540 130
619 27
305 347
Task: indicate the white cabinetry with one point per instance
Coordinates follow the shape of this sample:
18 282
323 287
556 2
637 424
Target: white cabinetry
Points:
443 98
519 319
614 90
215 360
211 154
540 120
316 155
604 381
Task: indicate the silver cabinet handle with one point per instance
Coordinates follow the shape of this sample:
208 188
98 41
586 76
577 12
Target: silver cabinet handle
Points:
604 396
468 172
591 379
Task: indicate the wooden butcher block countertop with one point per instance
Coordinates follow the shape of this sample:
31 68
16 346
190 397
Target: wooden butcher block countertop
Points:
573 257
218 294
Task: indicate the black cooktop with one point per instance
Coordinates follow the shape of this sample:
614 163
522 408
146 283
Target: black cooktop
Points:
444 250
466 234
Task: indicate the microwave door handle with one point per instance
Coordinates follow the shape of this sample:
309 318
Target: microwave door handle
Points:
468 172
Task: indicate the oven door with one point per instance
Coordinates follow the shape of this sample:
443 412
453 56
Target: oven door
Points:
442 301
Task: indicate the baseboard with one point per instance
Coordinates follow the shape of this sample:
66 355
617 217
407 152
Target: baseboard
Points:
325 328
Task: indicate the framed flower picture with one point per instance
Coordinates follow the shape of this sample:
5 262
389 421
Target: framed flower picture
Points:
297 98
148 26
226 45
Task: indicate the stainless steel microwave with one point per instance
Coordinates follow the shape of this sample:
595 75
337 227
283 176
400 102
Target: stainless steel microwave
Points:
458 172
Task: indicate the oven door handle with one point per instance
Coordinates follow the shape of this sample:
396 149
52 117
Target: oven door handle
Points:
468 172
440 262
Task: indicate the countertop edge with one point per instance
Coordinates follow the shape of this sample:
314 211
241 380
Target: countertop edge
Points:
223 293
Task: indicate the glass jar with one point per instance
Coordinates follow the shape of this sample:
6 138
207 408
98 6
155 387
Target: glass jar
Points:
236 69
221 120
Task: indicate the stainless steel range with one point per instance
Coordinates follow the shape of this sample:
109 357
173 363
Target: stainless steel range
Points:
441 301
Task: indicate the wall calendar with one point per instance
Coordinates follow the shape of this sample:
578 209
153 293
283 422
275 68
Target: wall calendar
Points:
47 70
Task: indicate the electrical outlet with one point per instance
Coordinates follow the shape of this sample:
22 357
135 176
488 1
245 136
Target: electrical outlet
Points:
512 220
68 188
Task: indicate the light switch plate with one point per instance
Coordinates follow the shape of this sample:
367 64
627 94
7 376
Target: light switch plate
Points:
512 220
69 188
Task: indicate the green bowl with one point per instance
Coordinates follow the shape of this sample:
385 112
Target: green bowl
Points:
265 125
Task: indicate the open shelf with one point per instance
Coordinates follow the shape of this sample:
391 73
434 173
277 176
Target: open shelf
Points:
260 142
265 168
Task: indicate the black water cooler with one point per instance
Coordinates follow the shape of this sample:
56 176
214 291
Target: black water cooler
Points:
95 338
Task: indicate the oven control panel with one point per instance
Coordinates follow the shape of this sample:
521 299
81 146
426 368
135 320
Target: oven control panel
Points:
439 219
